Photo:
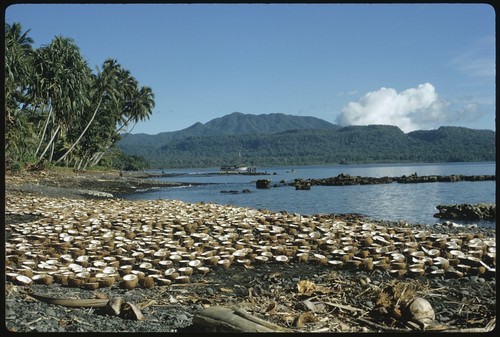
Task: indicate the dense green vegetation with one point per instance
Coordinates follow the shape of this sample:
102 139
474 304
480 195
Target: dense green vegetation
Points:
59 112
352 144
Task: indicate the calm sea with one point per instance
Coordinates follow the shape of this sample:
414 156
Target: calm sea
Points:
413 203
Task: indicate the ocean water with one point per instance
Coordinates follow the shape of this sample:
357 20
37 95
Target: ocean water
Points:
413 203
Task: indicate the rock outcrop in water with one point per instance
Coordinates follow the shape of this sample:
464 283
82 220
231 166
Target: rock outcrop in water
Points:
467 212
346 179
263 183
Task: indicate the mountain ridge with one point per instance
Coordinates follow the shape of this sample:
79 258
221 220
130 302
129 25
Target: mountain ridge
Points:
278 139
236 123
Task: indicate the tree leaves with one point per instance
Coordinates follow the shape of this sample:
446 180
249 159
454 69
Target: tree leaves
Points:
77 115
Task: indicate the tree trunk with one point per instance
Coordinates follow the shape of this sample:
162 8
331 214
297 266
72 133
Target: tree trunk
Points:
50 143
222 319
124 124
96 157
83 132
42 136
52 149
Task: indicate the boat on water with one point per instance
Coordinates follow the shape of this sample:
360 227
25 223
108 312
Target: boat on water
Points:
234 168
238 168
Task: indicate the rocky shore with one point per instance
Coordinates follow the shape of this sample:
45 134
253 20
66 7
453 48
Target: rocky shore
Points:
70 184
467 211
67 238
346 179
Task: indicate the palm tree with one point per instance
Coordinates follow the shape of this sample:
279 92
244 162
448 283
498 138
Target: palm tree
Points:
129 104
18 66
139 108
19 133
56 107
63 80
105 86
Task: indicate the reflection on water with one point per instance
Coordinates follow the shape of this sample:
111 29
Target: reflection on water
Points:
413 203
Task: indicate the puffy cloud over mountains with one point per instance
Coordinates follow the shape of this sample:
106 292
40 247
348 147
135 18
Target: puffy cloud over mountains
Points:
411 109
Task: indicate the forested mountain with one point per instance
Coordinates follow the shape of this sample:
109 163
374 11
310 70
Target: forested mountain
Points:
326 144
236 123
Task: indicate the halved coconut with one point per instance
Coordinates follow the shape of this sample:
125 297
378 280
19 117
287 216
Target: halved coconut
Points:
99 264
397 272
433 252
437 272
91 285
240 253
109 270
24 280
453 245
302 257
125 269
417 271
281 258
83 260
473 261
163 281
456 253
261 259
74 281
146 265
335 263
66 258
171 273
398 257
140 274
195 263
203 270
146 282
106 281
182 279
130 281
165 263
43 279
380 239
441 262
463 267
321 259
185 271
226 263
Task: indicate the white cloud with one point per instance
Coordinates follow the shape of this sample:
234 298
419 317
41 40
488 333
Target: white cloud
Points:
411 109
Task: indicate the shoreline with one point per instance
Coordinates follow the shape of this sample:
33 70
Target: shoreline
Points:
114 184
85 184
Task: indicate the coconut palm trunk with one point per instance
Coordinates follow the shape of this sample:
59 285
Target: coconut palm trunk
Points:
82 133
50 143
42 136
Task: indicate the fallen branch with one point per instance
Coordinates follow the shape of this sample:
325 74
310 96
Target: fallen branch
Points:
72 302
114 306
221 319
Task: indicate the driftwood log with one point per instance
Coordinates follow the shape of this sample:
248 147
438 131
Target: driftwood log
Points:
72 302
114 306
222 319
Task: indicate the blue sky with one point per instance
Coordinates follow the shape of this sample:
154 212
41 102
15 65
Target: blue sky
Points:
416 66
